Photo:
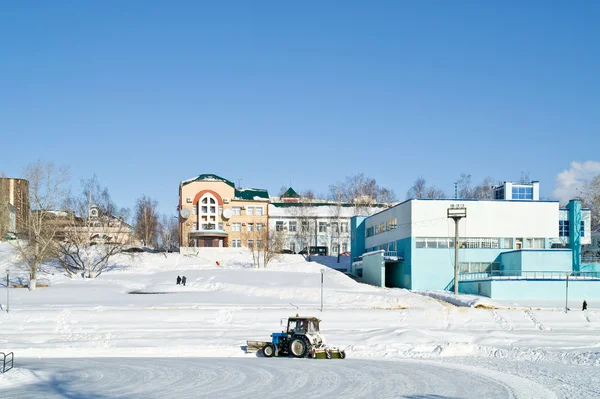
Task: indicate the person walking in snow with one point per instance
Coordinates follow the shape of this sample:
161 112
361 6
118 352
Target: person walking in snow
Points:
178 280
584 305
183 279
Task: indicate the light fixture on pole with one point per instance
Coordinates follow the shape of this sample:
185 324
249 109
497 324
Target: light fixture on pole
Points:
456 212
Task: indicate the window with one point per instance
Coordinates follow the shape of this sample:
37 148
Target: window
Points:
237 210
563 228
479 267
334 248
194 211
259 211
334 227
220 210
259 244
292 226
220 226
236 243
522 193
534 243
213 209
344 227
344 247
582 229
259 226
205 200
250 210
322 227
371 232
204 209
446 242
195 226
250 226
508 243
392 224
279 226
236 227
250 243
293 246
304 226
499 193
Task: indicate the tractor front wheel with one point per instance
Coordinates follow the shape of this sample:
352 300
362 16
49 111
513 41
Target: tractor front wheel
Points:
298 347
269 350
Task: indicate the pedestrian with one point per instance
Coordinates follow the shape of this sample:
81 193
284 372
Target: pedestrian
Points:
584 305
183 279
178 280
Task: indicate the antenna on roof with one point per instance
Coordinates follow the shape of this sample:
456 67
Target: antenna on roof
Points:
239 182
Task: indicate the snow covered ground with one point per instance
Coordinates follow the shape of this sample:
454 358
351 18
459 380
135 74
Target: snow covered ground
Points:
134 311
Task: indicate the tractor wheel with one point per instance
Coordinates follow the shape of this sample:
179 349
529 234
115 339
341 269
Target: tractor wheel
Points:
298 347
342 354
328 354
269 350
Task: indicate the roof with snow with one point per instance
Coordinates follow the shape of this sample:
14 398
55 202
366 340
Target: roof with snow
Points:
208 177
248 194
290 193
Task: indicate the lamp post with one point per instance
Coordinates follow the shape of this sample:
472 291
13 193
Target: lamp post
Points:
322 289
456 212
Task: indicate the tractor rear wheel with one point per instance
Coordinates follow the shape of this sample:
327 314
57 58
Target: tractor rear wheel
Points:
269 350
298 347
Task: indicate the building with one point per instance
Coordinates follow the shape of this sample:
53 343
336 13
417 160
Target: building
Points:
313 222
213 212
515 246
15 193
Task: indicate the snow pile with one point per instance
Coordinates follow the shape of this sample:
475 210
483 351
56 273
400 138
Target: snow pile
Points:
464 300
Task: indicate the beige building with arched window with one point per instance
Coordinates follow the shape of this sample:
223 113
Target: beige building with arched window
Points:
214 213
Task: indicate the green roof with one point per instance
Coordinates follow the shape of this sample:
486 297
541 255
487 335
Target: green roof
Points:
208 177
290 193
305 204
249 194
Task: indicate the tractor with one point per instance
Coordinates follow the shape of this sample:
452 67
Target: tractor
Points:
301 338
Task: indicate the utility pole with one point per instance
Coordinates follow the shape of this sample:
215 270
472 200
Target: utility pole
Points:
7 288
322 289
456 212
567 294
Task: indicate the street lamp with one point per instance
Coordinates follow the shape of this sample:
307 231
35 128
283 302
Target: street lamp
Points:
456 212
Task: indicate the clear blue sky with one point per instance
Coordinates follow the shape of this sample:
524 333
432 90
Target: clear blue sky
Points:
147 93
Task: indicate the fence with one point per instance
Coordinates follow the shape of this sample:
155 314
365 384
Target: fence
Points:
7 361
521 275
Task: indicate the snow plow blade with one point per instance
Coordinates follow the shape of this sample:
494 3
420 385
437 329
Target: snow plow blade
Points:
255 346
328 353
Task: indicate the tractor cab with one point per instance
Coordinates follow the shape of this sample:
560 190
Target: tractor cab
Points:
303 326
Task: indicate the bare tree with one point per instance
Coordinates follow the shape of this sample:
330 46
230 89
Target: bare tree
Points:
524 178
482 191
4 207
264 244
363 192
46 194
420 190
304 213
591 197
95 230
168 231
146 220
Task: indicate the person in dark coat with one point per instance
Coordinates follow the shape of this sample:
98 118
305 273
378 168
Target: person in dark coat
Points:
584 305
178 280
183 279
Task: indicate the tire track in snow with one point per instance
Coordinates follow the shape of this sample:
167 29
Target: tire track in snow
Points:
501 321
535 321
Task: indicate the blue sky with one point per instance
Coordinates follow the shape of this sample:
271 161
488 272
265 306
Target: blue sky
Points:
147 93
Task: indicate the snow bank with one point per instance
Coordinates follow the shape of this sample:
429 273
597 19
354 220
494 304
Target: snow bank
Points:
464 300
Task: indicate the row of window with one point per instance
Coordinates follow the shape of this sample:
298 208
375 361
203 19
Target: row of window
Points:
481 243
382 227
249 227
208 226
478 267
322 226
250 210
564 228
524 193
237 243
212 210
388 247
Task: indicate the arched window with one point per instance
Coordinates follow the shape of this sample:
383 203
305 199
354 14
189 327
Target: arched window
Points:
207 212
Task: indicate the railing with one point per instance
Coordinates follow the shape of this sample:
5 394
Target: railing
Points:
590 259
7 364
522 275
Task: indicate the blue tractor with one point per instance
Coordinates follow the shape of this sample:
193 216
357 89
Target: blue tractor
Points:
301 338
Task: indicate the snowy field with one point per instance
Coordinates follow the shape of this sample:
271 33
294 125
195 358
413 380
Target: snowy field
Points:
132 332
